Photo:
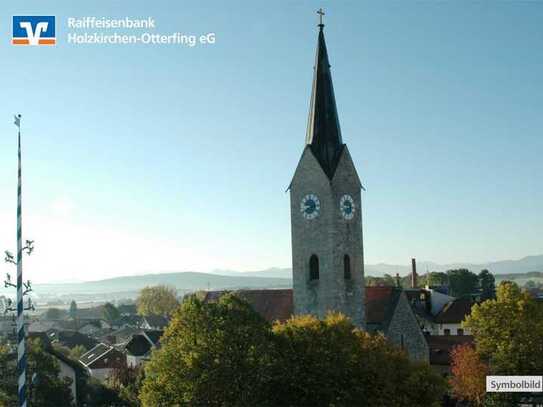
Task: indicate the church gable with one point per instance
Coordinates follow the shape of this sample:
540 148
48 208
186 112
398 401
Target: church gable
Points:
388 311
346 170
308 171
404 331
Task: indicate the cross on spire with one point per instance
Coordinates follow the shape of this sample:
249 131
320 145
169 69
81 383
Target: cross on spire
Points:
320 13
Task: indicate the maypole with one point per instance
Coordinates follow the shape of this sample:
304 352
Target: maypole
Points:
22 288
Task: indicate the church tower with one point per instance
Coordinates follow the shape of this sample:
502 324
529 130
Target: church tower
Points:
326 211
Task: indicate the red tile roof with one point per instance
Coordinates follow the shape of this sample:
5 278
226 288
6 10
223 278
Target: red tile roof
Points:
277 304
380 305
442 345
272 304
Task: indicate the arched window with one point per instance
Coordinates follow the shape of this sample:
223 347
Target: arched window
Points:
346 267
314 267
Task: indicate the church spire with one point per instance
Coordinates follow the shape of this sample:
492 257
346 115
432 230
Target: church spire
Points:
323 131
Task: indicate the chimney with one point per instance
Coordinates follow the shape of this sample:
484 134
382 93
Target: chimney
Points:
413 273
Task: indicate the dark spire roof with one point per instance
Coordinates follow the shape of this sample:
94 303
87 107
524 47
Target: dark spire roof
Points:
323 132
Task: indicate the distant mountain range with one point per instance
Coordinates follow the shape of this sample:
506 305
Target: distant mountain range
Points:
269 278
183 281
524 265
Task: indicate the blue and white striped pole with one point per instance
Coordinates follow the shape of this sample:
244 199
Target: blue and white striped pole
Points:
21 352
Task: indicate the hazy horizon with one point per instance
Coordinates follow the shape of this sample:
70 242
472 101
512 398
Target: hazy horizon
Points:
140 157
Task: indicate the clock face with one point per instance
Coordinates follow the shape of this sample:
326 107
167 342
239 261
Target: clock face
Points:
310 206
347 206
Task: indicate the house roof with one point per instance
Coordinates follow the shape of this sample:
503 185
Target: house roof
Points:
52 351
442 345
69 361
95 353
128 320
277 304
127 309
138 345
156 321
420 306
272 304
71 339
380 305
120 335
454 311
153 335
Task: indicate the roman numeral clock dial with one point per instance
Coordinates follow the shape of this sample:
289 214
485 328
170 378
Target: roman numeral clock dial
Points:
310 206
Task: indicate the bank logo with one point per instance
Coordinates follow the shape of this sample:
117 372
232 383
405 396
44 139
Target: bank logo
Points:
33 30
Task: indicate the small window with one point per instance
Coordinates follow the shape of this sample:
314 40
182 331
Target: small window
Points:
446 331
346 267
402 345
314 267
460 331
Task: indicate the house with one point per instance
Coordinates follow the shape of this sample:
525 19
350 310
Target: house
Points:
127 321
440 350
127 309
71 339
449 319
387 311
419 299
101 360
93 327
120 336
140 346
8 325
154 322
43 326
438 297
69 368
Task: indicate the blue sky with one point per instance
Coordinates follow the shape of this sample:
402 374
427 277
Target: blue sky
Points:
147 158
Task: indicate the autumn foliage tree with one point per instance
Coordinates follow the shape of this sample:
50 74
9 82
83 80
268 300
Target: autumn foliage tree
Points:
211 354
508 331
224 353
157 300
331 363
468 379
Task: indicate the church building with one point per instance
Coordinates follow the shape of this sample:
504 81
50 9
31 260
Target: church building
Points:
327 245
326 210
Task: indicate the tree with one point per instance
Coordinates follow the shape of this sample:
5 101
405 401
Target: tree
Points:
224 353
96 394
468 379
77 351
210 354
45 388
54 314
330 362
385 281
127 382
8 377
462 282
508 331
487 283
73 310
437 278
157 300
110 312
